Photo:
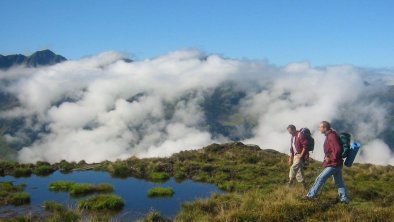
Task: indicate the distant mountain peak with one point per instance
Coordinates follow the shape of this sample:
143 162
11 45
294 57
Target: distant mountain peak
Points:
43 52
40 58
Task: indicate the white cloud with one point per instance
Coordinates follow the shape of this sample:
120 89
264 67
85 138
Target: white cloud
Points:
375 151
102 108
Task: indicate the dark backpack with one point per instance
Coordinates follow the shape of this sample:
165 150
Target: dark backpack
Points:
308 136
344 139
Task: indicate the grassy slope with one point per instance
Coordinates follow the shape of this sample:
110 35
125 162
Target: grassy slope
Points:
256 182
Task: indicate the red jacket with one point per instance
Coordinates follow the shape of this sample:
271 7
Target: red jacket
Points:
300 143
332 150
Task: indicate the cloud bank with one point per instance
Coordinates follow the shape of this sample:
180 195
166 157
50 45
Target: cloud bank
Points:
103 108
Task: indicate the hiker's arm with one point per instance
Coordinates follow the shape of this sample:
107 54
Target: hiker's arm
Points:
291 156
304 146
303 153
335 148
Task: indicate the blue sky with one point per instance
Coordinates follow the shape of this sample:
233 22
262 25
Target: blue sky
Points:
322 32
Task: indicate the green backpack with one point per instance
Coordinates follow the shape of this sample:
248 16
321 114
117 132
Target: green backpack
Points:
344 139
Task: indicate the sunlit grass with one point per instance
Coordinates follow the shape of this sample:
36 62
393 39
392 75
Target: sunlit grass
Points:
283 204
102 202
18 198
160 192
61 186
159 176
43 170
255 181
78 189
53 206
154 216
13 194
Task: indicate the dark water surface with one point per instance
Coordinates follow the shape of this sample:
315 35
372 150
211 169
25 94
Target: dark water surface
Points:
132 190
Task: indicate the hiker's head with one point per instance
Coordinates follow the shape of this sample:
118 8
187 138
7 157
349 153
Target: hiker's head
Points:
324 126
292 130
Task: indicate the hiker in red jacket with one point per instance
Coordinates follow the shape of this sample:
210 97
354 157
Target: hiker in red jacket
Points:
298 154
332 164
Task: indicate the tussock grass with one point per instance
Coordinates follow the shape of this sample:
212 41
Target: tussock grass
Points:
18 198
104 188
60 213
66 167
119 169
9 167
255 181
353 213
78 189
7 186
43 170
22 172
154 216
282 204
61 186
102 202
160 192
53 206
65 216
11 194
159 176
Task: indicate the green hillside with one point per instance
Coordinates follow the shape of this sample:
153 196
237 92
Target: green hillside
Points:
255 181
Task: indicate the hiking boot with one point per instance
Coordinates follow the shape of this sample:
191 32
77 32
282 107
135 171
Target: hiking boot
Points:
339 201
344 202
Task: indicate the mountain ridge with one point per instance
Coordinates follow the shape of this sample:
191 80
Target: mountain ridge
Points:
39 58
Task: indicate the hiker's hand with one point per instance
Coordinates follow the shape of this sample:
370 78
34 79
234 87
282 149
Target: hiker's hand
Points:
290 161
326 159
